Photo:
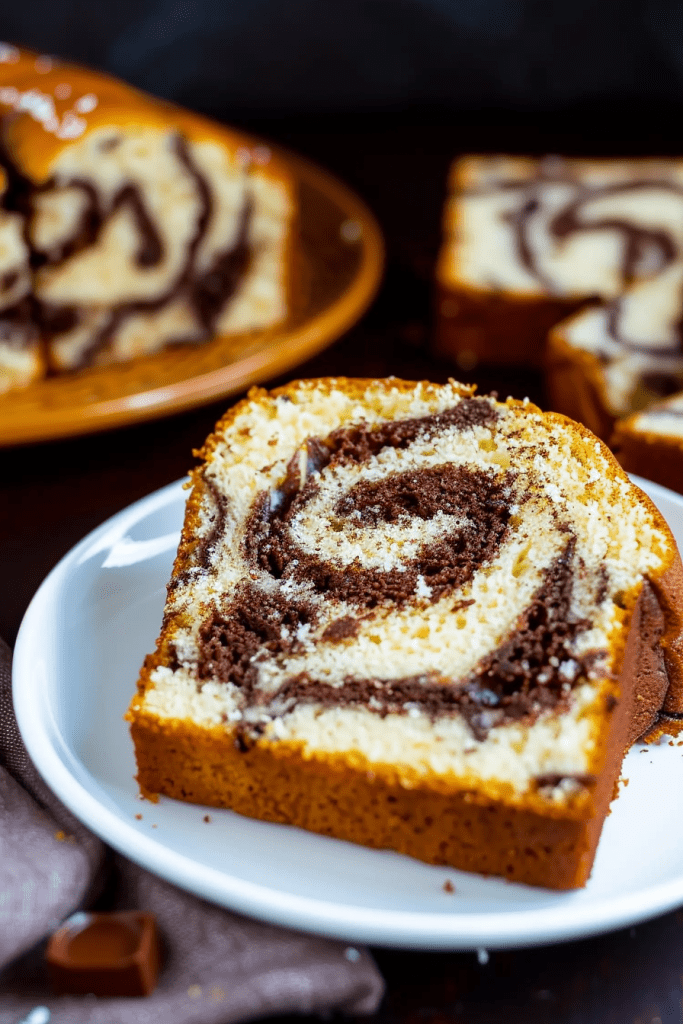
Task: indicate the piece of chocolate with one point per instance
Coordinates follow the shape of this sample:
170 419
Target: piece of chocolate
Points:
106 954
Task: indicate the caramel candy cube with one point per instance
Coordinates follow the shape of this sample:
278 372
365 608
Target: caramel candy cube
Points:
107 954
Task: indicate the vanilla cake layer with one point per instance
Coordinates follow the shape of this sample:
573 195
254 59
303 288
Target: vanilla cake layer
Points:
650 442
528 241
386 589
145 225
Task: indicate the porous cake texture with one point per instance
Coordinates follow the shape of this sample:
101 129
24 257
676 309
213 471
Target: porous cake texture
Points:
140 225
530 241
413 618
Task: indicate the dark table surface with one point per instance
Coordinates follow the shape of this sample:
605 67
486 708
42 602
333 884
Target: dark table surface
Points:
52 494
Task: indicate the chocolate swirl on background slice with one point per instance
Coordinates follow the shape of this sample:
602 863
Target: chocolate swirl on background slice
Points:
206 293
646 253
640 243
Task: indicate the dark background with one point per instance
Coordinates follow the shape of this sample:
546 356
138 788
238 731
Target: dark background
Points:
258 60
384 93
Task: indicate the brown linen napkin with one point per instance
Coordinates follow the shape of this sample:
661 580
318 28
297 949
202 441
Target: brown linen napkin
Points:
217 967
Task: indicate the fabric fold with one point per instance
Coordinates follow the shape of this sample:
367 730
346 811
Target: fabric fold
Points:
217 967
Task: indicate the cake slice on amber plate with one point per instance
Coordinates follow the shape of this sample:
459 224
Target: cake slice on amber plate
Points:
413 618
21 353
145 225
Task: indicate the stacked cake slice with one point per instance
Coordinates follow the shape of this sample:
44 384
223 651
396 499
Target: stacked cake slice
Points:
142 225
531 241
413 618
650 442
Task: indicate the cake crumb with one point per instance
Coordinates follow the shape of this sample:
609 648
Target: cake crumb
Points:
138 817
194 991
207 818
448 886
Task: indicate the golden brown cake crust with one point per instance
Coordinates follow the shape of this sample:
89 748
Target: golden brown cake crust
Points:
475 827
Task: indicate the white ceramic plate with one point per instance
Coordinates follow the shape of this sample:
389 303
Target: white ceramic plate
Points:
76 661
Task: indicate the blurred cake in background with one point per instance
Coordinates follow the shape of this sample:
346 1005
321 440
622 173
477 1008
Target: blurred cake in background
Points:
575 265
530 240
21 356
650 443
140 225
611 359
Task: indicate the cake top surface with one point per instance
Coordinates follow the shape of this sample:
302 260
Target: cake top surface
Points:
53 102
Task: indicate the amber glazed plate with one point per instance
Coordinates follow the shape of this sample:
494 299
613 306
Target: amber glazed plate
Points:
338 263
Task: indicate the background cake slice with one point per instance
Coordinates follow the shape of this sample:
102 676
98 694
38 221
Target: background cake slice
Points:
610 360
650 442
21 355
147 226
413 618
528 241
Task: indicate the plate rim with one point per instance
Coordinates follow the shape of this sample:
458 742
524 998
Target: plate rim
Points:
559 922
287 349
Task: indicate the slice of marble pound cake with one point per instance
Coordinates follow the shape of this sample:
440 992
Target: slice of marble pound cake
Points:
145 225
413 618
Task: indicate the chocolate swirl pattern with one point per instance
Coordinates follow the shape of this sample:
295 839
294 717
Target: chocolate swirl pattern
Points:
575 228
140 225
380 580
418 567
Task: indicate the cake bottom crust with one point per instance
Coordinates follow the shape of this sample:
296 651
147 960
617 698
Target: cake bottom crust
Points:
278 784
349 798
